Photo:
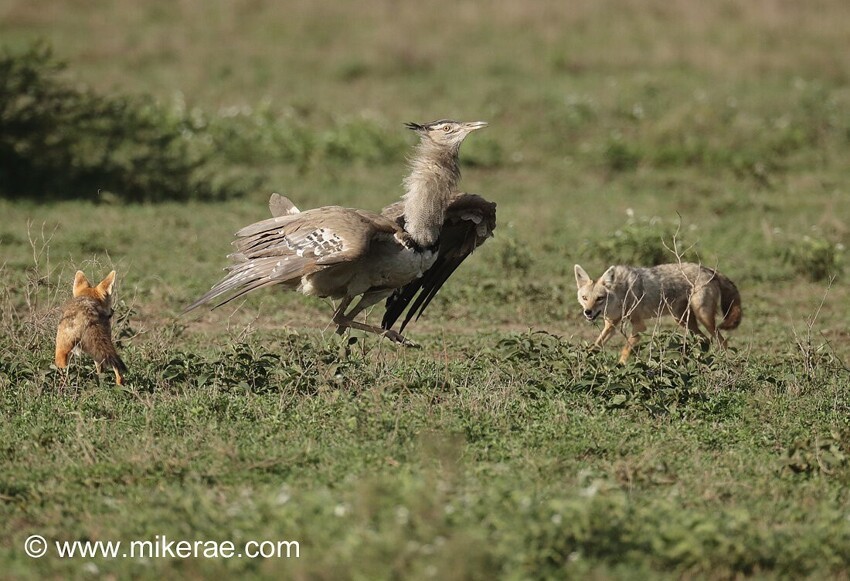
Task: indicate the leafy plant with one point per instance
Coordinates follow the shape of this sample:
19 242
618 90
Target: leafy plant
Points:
640 242
818 454
621 155
814 257
512 254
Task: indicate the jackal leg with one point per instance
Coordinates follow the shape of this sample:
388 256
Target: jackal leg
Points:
119 378
638 327
688 320
610 327
706 317
64 346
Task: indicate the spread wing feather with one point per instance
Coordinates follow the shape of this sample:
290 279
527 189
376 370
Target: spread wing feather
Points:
283 249
470 220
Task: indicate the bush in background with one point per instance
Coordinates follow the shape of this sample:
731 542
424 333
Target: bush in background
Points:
59 140
641 242
814 257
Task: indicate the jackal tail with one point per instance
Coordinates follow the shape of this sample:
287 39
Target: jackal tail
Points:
102 350
730 303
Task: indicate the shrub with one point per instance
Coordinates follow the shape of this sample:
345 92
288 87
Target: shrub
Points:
58 140
814 257
640 242
621 156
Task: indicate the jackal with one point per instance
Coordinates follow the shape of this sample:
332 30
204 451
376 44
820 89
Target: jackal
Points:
689 292
86 322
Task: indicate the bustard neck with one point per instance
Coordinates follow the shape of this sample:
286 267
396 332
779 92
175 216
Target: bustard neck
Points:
433 178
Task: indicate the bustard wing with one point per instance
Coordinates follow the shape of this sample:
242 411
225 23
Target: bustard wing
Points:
470 221
282 206
285 248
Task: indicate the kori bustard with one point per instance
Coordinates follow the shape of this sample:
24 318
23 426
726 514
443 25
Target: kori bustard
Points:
408 251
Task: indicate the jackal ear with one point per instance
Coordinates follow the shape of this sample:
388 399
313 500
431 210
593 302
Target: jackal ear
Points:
582 278
81 283
107 283
608 277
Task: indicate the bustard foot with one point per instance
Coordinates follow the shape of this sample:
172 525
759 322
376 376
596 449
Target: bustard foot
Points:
396 337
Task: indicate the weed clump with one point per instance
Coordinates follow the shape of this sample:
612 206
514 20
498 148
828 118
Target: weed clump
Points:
640 242
818 454
814 257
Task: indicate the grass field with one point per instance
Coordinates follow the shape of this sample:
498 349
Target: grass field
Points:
504 447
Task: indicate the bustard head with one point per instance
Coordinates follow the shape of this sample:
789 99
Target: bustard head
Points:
445 132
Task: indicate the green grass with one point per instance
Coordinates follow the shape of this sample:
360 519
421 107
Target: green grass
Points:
504 447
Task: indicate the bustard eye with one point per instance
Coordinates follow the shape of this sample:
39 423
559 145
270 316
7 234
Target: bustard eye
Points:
448 128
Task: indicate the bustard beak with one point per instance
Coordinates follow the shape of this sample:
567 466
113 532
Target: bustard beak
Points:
473 125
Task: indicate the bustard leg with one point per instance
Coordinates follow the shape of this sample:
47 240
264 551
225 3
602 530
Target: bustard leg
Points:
345 320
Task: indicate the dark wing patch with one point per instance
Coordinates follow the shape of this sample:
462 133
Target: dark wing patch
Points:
470 220
422 290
